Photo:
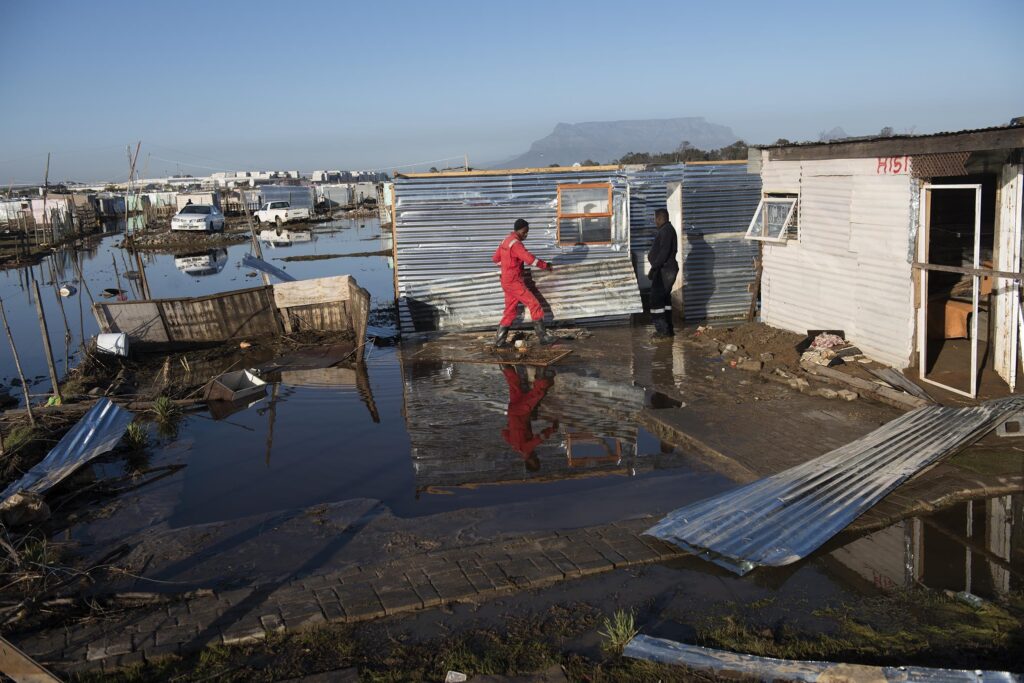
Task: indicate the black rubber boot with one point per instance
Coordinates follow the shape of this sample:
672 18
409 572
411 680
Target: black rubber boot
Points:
543 337
668 324
661 326
501 338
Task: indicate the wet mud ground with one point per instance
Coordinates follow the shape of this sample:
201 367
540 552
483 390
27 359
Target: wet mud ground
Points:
436 455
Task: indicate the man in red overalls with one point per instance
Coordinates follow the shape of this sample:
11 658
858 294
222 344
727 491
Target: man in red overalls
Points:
521 404
512 255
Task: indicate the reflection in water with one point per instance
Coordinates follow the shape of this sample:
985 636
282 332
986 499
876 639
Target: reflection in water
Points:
454 411
522 401
208 262
281 237
977 547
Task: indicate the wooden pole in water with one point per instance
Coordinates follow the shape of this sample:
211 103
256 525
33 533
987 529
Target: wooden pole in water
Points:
143 280
257 249
17 365
117 275
46 343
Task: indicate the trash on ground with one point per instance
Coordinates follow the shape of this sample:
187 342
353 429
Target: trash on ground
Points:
97 432
250 261
731 665
67 290
897 380
783 518
115 343
233 387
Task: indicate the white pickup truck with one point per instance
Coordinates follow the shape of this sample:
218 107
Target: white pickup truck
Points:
280 213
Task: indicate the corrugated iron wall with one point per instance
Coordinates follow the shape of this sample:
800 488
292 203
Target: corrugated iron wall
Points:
718 263
850 268
447 228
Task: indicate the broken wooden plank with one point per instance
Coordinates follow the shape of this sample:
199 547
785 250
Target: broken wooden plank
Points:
322 290
892 397
898 381
21 668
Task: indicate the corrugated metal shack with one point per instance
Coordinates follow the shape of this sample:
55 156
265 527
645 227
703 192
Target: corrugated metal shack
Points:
298 196
858 233
447 225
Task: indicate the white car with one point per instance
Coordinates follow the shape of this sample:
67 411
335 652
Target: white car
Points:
280 213
199 217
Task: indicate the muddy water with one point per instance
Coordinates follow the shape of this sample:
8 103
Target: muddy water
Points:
188 273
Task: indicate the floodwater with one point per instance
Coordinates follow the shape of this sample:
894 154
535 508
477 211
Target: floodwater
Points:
188 273
499 450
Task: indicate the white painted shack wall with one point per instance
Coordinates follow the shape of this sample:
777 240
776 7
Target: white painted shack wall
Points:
850 268
1008 253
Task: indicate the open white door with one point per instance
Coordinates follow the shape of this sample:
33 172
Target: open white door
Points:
1006 304
924 256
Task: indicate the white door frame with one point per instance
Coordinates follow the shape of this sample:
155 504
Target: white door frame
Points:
922 313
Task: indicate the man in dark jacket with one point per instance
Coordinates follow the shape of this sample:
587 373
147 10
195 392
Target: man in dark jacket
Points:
663 272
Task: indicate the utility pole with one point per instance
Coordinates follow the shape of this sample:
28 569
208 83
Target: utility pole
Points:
465 158
17 365
46 189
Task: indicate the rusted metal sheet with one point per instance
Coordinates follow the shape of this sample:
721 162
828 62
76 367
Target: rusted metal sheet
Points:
732 664
448 226
781 519
97 432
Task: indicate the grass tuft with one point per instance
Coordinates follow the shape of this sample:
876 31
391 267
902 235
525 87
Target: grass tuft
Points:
618 630
136 437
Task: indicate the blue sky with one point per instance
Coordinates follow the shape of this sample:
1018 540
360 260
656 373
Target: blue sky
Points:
228 85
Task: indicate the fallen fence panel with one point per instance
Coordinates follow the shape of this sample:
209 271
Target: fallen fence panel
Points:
783 518
97 432
771 669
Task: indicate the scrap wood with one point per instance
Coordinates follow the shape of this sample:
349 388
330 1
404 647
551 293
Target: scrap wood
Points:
898 381
781 519
730 664
513 358
897 399
21 668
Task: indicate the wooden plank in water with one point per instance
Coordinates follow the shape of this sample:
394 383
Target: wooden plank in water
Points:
318 291
511 357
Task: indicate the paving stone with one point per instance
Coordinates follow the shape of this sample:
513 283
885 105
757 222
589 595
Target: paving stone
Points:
177 634
272 622
243 632
478 578
155 652
128 659
562 563
588 560
451 584
495 571
333 611
426 592
398 597
360 601
235 597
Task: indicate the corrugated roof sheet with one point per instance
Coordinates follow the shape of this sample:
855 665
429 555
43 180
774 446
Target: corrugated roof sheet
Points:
875 138
781 519
97 432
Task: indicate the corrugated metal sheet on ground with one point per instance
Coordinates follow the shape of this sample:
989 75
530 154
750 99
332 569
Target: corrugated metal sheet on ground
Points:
97 432
447 228
583 292
783 518
731 664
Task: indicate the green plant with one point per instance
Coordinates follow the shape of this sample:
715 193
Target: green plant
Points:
167 416
618 630
136 437
18 438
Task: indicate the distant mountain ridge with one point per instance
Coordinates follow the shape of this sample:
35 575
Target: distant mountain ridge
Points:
605 141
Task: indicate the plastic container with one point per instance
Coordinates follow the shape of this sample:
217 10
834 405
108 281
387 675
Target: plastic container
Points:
68 290
113 343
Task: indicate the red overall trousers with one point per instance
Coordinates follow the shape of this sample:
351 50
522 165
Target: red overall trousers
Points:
519 432
511 254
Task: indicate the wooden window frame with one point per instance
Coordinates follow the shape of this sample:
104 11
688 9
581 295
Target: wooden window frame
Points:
610 214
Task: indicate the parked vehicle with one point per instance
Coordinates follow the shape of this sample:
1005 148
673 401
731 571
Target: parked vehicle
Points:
280 213
199 217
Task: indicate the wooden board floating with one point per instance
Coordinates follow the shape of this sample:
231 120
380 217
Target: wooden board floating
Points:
536 357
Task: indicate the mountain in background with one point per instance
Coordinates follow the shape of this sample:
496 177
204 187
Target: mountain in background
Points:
606 141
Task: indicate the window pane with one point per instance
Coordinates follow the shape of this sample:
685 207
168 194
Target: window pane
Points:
772 220
585 230
584 200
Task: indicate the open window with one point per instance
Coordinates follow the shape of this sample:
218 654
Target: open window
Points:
774 220
585 214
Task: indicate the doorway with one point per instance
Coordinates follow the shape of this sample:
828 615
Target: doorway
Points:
956 242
